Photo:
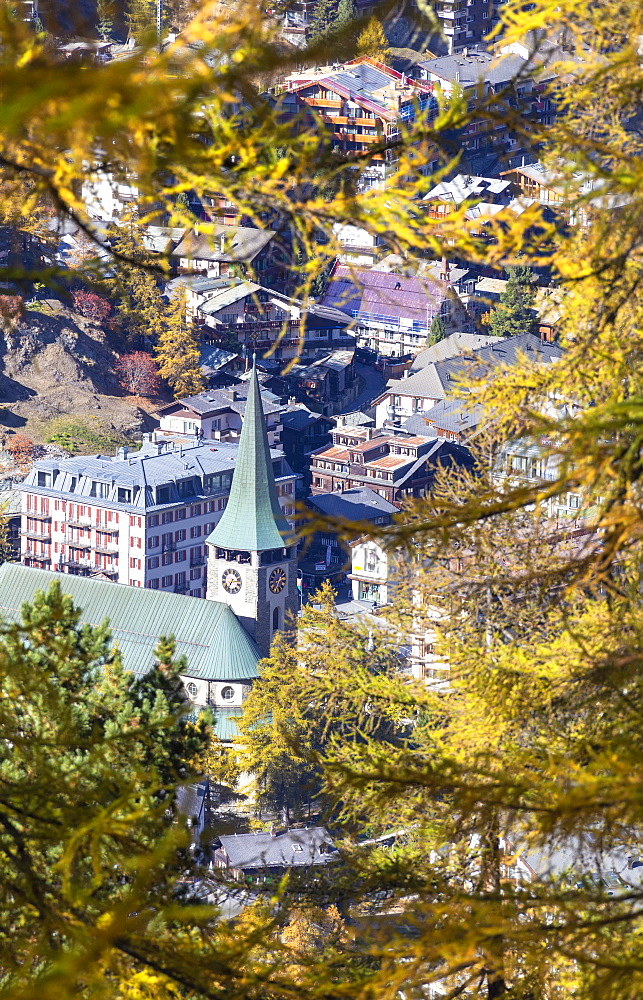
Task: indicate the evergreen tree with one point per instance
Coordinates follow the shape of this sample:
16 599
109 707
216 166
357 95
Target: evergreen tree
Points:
90 760
141 18
346 15
515 313
323 19
373 42
105 18
437 332
177 351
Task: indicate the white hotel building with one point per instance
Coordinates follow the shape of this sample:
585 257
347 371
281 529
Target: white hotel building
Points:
137 518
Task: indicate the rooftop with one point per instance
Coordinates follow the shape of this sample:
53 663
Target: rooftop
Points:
290 849
359 291
225 243
477 67
253 519
154 465
450 347
464 186
358 504
207 633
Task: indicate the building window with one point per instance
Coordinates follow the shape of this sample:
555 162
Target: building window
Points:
44 479
163 494
180 535
180 514
98 489
180 556
167 581
166 559
192 689
124 496
574 501
154 520
275 620
195 532
153 541
167 517
153 562
227 693
196 510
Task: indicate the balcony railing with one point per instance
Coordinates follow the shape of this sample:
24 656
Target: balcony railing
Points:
32 554
32 533
180 588
198 561
84 543
106 546
168 546
80 522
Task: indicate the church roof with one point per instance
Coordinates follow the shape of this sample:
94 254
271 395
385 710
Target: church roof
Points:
253 520
207 633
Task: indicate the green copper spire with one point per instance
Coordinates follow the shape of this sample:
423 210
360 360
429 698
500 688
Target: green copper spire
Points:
253 520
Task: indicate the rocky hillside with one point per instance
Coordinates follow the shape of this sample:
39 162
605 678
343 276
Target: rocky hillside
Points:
55 363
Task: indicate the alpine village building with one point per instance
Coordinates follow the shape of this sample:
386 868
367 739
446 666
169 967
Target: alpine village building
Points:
251 577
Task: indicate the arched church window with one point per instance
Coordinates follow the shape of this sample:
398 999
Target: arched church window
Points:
275 620
227 693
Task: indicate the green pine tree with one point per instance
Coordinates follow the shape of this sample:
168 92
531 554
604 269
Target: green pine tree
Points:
515 313
346 14
323 19
141 18
90 759
437 332
105 18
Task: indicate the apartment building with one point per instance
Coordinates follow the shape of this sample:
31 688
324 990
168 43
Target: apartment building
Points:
421 390
394 465
512 76
248 315
218 415
465 23
361 103
139 519
392 312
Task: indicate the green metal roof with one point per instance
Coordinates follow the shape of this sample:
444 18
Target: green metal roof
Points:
225 723
253 520
207 633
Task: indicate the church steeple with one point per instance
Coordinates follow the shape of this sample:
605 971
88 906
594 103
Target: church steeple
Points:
253 520
251 566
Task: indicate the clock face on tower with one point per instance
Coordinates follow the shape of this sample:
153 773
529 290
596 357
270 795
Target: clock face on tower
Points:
231 580
277 580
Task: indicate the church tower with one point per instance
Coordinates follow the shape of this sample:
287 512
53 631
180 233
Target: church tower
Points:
251 563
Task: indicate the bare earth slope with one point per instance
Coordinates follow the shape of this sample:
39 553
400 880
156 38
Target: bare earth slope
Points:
54 363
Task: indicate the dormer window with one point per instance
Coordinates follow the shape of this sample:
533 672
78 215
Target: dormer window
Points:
44 479
99 489
124 495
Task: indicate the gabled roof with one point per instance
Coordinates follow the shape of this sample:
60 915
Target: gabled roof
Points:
253 520
240 243
464 186
290 849
478 67
207 633
439 379
450 347
359 504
